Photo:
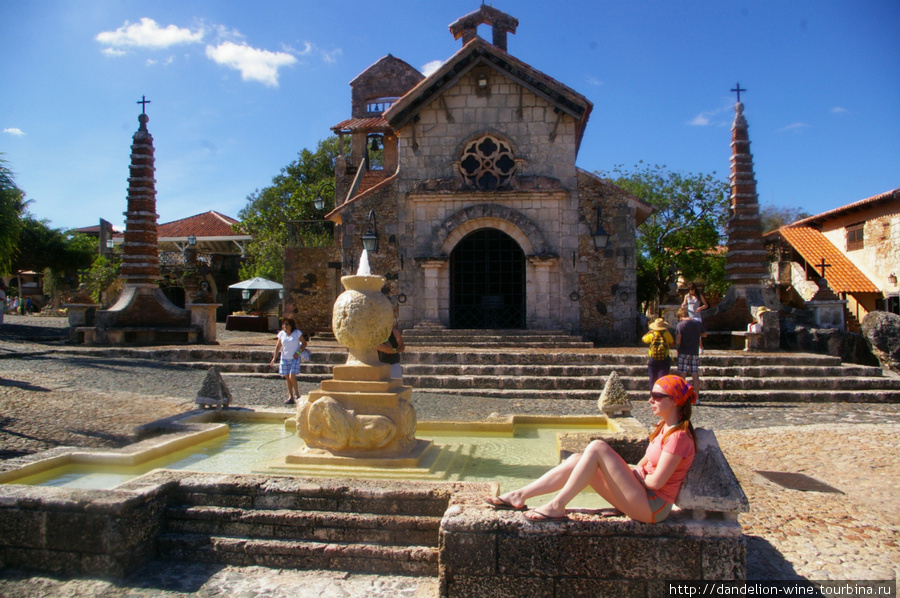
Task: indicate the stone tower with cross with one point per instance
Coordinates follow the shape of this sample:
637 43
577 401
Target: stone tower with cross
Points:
467 177
746 265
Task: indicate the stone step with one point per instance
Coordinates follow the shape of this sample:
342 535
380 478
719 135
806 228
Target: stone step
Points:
299 554
477 383
319 526
505 344
476 332
712 396
243 492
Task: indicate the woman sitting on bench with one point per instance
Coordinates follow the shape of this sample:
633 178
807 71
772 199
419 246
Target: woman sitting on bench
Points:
645 493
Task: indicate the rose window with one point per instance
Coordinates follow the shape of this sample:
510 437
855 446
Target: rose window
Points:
487 164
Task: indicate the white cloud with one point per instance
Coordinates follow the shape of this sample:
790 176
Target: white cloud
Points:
839 110
253 63
14 131
431 67
594 81
148 34
795 127
331 57
113 52
701 120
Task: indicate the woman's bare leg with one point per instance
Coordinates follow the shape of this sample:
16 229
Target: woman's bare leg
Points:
626 493
551 481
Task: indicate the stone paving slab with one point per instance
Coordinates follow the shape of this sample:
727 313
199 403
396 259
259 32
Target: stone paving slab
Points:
48 400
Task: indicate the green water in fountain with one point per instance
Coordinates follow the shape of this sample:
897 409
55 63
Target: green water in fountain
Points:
512 460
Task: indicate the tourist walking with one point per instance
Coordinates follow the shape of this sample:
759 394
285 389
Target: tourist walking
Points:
689 335
694 302
645 493
660 339
292 346
389 352
2 300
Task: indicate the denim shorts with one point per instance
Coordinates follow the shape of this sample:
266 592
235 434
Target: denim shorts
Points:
289 366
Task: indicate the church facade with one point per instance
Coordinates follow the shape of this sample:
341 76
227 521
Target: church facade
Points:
467 180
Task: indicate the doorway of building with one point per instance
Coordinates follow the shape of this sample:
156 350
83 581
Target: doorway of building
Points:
487 281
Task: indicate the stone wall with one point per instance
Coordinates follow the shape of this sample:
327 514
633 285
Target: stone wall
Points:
311 284
428 148
607 279
79 532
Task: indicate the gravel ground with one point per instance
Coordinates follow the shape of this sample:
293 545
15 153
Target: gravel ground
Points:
49 399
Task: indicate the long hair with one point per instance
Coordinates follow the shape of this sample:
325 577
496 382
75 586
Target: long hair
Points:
685 424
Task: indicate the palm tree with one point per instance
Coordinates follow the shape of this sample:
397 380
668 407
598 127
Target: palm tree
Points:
12 206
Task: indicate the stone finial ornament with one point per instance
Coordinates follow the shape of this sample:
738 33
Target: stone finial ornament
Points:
213 392
614 399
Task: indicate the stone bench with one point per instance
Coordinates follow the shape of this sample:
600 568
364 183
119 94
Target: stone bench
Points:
489 553
736 340
138 335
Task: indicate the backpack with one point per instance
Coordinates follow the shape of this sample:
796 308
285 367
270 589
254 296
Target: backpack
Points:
659 348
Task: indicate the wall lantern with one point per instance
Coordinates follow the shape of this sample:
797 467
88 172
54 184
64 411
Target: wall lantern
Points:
370 239
319 201
281 293
245 294
192 240
601 237
892 279
110 243
482 80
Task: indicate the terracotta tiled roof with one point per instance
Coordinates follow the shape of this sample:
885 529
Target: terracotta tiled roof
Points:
376 123
842 276
209 224
893 194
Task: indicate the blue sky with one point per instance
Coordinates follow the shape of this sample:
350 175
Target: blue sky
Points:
239 88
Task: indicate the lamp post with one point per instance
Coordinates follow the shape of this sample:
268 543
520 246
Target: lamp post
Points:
601 237
370 238
319 201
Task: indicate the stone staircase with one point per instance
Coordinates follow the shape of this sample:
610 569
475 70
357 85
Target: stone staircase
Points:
300 524
523 365
498 339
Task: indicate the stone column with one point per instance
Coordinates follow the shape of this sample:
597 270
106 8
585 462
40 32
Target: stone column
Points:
539 296
430 295
204 316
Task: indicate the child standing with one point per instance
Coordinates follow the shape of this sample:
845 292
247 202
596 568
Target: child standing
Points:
660 339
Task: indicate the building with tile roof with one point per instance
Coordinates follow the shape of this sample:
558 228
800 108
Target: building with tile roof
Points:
860 246
467 179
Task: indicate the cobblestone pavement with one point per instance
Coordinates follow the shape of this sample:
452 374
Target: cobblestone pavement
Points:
50 399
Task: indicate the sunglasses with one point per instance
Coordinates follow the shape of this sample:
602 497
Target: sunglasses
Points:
658 396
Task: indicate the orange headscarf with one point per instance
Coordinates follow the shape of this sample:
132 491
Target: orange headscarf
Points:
679 390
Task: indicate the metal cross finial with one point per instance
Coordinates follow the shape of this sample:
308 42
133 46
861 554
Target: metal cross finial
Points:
823 265
737 88
143 102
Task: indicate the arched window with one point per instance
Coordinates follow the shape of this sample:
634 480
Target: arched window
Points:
487 164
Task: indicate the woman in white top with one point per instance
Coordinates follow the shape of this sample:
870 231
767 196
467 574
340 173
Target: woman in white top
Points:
694 302
291 343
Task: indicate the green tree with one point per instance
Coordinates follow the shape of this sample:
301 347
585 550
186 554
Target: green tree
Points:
12 206
772 216
290 197
683 235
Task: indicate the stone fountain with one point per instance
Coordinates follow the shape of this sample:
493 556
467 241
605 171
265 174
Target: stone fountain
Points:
361 416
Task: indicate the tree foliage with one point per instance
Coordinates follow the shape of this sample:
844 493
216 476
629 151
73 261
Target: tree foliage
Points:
290 197
772 216
12 206
684 233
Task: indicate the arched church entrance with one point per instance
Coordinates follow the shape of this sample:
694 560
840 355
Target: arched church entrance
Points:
487 281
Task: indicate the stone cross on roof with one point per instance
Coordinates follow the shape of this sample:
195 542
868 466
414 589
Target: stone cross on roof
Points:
822 266
737 88
143 102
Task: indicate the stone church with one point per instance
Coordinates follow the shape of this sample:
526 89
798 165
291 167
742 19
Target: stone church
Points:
466 179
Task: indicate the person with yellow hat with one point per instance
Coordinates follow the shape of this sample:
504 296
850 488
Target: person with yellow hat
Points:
660 339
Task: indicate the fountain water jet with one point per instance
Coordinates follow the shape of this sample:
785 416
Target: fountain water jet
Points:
361 416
